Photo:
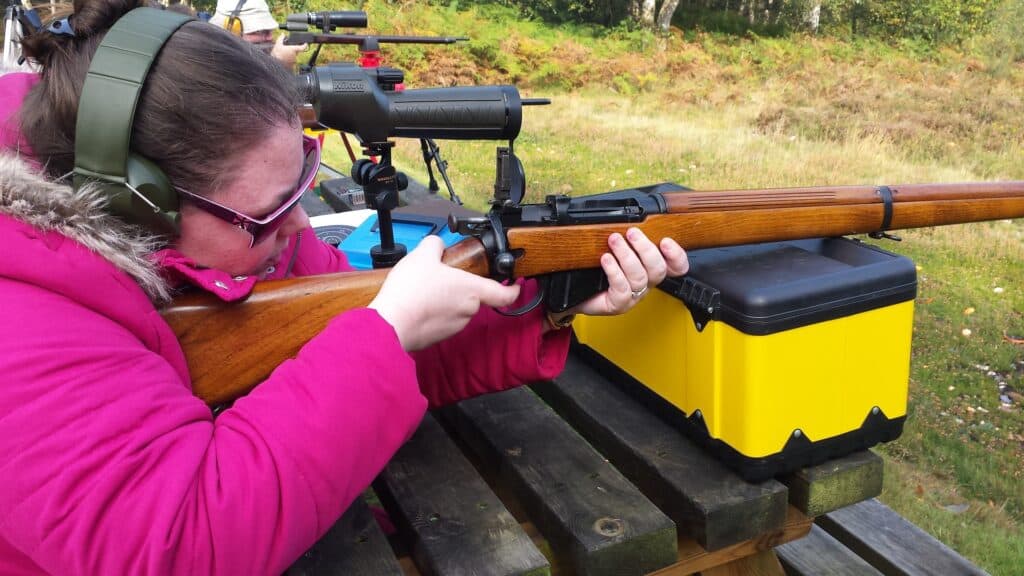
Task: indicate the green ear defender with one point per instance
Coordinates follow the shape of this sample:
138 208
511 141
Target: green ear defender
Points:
138 192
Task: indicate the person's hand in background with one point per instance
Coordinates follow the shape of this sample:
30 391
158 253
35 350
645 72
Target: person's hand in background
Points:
287 55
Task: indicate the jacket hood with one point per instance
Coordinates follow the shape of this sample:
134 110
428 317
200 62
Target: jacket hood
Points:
27 196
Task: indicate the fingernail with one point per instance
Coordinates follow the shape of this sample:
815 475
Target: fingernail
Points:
616 238
633 234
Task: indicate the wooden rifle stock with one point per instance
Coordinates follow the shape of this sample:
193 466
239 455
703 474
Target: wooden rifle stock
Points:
232 347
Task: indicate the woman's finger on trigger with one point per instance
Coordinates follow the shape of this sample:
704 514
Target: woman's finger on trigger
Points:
675 257
628 260
650 256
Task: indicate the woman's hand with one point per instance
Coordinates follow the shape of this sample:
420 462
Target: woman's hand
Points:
633 265
427 301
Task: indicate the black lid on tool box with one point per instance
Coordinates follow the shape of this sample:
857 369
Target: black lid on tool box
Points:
766 288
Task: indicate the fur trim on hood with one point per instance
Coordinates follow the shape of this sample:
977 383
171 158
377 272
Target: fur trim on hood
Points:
28 196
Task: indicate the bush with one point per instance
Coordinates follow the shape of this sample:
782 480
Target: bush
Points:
1003 47
937 21
605 12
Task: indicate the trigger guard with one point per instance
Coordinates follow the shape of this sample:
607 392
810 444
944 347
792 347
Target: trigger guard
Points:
529 306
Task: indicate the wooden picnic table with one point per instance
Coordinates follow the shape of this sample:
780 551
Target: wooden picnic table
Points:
575 476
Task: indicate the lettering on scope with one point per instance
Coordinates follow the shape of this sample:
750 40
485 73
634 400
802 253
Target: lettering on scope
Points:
348 86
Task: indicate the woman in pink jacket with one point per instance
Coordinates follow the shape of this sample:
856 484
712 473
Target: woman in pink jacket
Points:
108 463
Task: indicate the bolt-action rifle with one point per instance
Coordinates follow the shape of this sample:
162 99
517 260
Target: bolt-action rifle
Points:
562 234
559 241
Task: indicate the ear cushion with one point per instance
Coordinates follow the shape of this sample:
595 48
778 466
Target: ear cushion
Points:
146 198
234 25
152 183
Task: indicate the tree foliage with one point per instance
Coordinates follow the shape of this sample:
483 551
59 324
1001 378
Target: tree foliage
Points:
934 21
940 21
606 12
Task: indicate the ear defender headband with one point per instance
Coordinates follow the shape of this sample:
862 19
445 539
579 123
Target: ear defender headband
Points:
137 191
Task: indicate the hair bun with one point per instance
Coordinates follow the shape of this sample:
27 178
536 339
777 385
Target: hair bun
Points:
89 18
94 17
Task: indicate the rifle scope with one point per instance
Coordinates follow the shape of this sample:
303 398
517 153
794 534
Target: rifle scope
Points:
349 98
330 20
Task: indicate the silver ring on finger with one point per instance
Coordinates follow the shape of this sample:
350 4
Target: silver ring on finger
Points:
637 294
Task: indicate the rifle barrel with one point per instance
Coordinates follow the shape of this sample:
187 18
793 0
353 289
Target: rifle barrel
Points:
732 217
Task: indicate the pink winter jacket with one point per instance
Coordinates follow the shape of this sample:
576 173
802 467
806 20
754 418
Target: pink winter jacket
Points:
108 463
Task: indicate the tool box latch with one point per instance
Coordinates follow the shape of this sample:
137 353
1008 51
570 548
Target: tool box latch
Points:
702 300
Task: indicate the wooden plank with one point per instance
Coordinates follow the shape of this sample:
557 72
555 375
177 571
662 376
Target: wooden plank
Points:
706 500
820 554
836 484
693 558
764 563
593 518
456 523
892 544
355 546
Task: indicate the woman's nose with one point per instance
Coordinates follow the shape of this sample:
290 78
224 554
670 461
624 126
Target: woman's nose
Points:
297 220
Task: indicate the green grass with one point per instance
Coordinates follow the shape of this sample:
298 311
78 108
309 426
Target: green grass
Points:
983 532
726 112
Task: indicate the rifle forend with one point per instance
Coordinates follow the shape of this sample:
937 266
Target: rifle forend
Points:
562 234
732 217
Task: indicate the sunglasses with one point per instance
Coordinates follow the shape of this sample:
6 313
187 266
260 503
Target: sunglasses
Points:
260 229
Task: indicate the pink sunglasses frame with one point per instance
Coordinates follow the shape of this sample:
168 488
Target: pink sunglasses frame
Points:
260 228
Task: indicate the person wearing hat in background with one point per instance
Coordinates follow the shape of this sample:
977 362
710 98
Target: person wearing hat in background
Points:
252 20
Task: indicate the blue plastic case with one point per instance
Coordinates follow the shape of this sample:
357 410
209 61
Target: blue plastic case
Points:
409 228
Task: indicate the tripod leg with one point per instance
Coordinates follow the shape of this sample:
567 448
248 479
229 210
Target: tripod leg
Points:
442 167
427 157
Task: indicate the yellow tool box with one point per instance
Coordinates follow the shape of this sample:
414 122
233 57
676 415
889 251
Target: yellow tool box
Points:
773 356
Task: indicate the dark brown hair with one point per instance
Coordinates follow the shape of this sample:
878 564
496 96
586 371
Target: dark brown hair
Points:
208 96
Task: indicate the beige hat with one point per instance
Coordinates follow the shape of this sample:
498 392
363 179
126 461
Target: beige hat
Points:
254 15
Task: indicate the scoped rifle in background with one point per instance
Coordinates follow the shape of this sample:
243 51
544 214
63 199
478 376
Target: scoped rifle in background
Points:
387 79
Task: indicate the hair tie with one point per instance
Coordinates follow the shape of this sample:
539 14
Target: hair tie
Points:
61 27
